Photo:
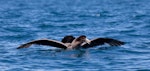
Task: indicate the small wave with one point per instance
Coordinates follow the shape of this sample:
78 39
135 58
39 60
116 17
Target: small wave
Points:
10 14
143 70
132 51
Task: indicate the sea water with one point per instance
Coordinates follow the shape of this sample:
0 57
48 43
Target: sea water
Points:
22 21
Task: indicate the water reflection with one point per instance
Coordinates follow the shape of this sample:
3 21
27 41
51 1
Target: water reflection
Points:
65 53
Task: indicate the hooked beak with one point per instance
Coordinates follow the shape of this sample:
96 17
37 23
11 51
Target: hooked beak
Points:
87 41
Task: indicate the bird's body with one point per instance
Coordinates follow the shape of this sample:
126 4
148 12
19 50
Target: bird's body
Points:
70 42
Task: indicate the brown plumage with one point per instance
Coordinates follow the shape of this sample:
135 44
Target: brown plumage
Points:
68 42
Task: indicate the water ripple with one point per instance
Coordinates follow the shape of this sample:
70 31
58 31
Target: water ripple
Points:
26 20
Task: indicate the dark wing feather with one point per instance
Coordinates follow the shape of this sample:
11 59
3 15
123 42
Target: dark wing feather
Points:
101 41
44 42
68 39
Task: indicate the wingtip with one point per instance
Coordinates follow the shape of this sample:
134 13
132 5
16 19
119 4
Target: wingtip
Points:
18 48
123 43
24 46
116 43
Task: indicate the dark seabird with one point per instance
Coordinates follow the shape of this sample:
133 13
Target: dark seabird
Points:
68 42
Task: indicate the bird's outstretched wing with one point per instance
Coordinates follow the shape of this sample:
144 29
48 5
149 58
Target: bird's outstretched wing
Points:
101 41
44 42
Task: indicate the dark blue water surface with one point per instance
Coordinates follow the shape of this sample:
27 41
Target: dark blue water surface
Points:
22 21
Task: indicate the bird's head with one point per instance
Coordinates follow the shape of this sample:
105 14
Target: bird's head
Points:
83 39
